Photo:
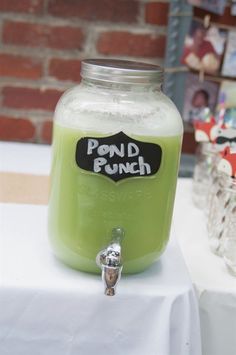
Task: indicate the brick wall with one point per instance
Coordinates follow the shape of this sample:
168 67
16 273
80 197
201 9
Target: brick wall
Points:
43 41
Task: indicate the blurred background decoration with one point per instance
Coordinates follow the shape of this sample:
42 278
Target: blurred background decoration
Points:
43 42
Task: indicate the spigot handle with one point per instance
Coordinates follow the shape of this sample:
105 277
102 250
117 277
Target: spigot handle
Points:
109 260
117 235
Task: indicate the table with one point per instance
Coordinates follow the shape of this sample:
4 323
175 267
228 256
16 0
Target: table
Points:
216 288
49 309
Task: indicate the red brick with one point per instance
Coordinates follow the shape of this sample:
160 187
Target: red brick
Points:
65 69
16 129
102 10
38 35
46 132
156 13
225 19
27 6
20 67
126 43
29 98
189 144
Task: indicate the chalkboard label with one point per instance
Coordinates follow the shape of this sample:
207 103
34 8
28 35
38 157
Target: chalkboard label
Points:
118 157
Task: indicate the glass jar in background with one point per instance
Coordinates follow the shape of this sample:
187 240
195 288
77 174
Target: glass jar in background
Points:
214 190
229 254
228 242
219 210
100 180
204 174
229 245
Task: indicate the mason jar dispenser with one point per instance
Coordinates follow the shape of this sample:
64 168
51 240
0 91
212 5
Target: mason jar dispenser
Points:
116 148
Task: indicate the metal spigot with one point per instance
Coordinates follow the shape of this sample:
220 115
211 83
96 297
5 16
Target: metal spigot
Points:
109 260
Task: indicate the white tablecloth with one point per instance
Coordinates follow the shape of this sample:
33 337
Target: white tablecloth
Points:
215 286
49 309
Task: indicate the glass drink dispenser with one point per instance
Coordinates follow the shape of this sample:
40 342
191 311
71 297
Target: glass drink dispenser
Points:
116 148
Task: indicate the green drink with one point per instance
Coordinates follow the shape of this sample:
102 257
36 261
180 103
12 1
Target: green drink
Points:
85 206
116 147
